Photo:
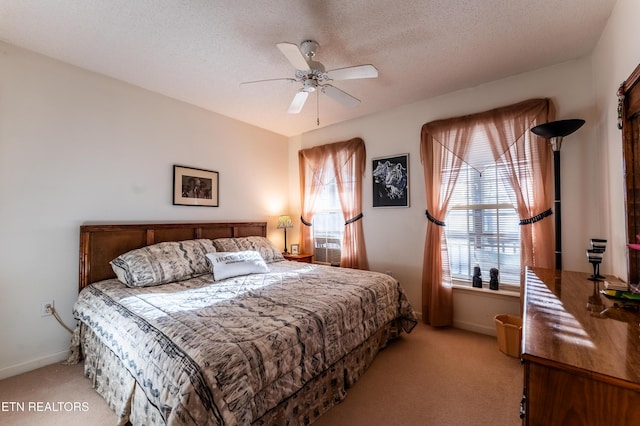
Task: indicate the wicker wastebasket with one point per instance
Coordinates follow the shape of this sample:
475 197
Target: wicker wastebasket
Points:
509 333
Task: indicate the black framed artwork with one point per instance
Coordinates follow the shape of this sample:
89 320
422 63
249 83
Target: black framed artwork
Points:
195 187
391 181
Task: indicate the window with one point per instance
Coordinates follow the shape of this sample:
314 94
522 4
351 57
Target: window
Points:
482 226
328 225
484 140
331 201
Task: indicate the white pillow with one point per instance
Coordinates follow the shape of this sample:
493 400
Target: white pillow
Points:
232 264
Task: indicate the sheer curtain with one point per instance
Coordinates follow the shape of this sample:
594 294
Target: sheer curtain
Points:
444 146
346 162
441 169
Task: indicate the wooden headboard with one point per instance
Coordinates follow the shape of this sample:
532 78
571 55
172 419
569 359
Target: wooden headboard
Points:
101 243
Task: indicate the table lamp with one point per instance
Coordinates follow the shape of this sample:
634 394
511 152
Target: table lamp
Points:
284 222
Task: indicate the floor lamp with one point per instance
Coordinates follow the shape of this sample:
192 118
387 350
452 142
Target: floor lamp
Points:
555 131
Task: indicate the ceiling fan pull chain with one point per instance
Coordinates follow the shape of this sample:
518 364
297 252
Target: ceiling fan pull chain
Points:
317 108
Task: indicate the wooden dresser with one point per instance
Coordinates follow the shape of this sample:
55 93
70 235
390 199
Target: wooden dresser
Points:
581 354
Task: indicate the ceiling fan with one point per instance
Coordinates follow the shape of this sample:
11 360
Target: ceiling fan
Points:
313 76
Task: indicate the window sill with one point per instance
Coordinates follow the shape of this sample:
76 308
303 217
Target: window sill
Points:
485 291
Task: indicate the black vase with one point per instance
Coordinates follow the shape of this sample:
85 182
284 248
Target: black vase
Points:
477 278
493 280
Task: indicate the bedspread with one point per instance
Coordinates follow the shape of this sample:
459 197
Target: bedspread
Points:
226 352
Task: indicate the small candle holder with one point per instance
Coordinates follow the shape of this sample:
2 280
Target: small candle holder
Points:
595 255
598 244
595 258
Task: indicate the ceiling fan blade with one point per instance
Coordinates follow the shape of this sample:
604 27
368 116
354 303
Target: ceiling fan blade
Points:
293 54
290 80
338 95
298 102
349 73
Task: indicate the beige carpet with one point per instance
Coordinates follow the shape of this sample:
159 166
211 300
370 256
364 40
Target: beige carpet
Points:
53 395
429 377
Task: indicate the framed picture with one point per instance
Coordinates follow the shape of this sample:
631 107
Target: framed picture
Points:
295 248
391 181
195 187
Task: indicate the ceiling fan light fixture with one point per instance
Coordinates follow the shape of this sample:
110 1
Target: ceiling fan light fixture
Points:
309 85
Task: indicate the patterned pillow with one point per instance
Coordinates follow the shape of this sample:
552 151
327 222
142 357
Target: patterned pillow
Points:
236 263
163 263
260 244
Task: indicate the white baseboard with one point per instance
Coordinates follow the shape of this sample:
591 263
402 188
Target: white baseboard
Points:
469 326
475 327
14 370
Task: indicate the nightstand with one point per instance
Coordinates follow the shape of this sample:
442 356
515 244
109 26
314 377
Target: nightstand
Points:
305 258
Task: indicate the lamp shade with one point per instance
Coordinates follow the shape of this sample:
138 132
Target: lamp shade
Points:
560 128
284 221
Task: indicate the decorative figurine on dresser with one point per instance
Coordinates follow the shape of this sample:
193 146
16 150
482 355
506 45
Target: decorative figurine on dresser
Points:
477 277
493 280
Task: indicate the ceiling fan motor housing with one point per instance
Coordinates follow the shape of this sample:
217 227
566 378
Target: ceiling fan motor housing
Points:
309 48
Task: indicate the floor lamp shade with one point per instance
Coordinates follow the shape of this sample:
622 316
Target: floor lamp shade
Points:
555 131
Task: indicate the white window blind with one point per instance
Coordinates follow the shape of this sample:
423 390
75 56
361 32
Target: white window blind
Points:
328 225
482 226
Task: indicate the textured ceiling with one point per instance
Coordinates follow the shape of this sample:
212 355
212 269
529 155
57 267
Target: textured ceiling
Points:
199 51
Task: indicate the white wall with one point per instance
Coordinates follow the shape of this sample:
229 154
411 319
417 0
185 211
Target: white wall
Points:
395 236
78 147
614 59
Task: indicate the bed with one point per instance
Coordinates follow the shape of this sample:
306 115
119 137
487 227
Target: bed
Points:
207 323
